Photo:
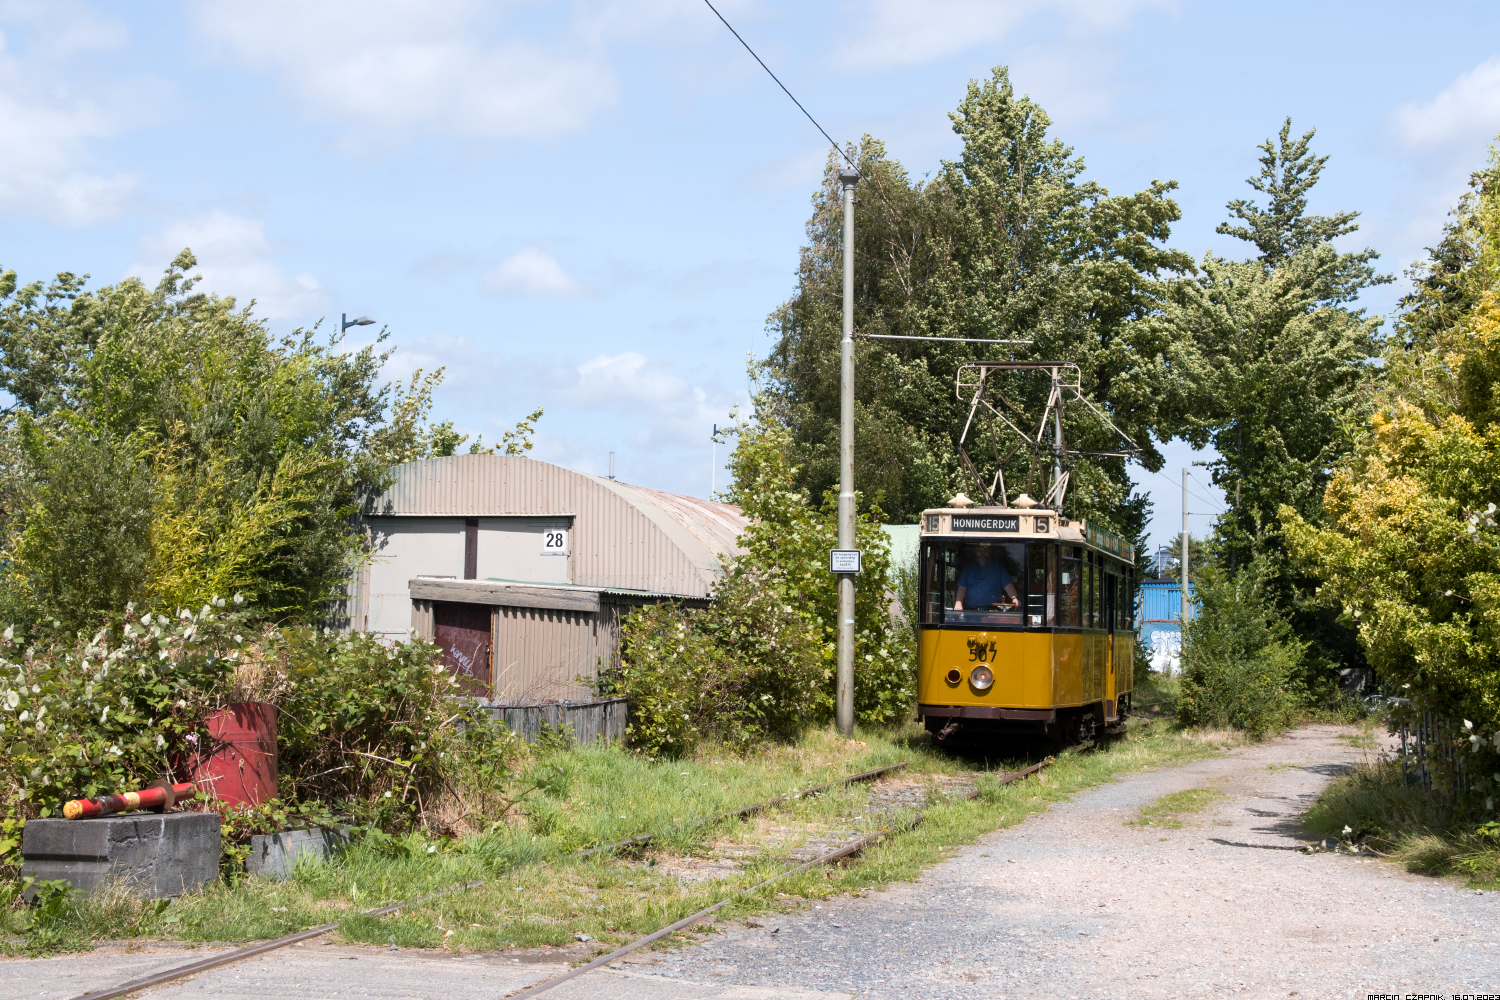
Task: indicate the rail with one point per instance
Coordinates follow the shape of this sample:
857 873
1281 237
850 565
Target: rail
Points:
260 948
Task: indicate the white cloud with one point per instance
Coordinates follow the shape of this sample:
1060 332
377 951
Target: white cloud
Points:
53 104
671 410
235 259
1467 110
534 272
387 67
656 419
901 33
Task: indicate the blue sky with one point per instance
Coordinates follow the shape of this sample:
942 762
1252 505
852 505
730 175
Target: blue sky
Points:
593 206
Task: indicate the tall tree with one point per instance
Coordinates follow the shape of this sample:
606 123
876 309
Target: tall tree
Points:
1276 361
1009 241
164 447
1276 365
1408 543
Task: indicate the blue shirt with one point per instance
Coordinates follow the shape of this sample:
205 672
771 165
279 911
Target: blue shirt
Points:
983 585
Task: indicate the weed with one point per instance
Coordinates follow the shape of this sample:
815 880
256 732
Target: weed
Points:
1413 826
1166 810
535 895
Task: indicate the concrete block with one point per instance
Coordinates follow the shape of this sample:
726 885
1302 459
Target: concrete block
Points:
153 855
274 855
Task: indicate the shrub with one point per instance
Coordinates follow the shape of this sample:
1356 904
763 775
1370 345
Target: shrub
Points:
785 549
1241 663
96 715
367 732
747 669
378 731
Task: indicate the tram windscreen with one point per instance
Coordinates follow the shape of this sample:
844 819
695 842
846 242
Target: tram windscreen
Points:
1030 585
975 582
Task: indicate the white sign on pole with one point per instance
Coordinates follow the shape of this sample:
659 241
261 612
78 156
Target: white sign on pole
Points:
844 561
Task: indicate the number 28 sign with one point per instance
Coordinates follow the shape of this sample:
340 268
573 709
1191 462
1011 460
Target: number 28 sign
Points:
555 542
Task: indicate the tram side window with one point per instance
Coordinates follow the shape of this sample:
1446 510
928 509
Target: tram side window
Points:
1041 586
1088 591
1069 587
1107 619
1103 582
1127 600
939 574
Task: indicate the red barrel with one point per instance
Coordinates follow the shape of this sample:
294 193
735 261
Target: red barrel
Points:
239 765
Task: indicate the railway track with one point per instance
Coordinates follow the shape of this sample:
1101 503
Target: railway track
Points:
708 911
260 948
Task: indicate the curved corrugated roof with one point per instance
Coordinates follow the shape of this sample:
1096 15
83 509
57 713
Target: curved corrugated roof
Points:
716 525
624 537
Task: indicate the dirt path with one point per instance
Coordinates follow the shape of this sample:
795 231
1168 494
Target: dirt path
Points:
1077 902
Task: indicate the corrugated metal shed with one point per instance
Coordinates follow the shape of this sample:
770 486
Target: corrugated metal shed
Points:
904 539
624 536
554 612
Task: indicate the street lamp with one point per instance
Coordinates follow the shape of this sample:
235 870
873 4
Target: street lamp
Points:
345 322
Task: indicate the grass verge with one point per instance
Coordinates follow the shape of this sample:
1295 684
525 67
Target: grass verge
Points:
535 895
1412 826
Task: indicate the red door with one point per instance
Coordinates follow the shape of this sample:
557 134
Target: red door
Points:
463 633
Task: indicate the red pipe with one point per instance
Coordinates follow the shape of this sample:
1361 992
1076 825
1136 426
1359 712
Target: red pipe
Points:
146 798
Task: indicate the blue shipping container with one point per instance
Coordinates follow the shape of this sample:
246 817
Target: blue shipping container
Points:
1160 619
1161 600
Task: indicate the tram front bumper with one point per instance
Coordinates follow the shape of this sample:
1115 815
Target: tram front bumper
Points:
986 712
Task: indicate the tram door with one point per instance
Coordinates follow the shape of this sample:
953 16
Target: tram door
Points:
1111 614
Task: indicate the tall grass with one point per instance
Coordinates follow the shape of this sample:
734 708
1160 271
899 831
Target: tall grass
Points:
535 894
1418 828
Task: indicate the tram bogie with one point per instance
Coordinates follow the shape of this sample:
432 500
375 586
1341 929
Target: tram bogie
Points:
1025 624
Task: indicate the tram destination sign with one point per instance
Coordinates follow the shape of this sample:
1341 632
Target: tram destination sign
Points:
987 522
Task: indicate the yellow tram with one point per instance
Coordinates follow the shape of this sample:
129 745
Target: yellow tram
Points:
1025 623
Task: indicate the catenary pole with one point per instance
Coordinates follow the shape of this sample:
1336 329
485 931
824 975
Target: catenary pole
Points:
844 695
1184 548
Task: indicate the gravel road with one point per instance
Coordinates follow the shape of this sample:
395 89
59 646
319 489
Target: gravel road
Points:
1074 903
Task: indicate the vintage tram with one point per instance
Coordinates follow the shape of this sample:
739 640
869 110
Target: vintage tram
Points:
1025 623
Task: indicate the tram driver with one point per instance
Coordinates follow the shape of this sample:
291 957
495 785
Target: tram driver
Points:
984 583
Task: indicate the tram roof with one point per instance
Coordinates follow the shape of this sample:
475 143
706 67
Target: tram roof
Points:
1023 522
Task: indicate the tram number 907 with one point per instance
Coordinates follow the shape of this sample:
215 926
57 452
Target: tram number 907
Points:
981 651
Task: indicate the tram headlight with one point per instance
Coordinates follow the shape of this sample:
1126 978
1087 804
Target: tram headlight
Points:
954 676
981 678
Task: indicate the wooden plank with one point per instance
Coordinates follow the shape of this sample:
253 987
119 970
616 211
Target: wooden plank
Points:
508 594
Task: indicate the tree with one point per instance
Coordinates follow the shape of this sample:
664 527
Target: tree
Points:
165 448
1007 242
1276 364
1276 371
1407 547
785 552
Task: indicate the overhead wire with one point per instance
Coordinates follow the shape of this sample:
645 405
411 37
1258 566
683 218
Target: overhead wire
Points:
1197 496
784 90
841 152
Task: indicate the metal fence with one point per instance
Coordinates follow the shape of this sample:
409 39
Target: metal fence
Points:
1430 742
585 722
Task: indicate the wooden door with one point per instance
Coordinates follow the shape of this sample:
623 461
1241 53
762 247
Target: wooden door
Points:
462 631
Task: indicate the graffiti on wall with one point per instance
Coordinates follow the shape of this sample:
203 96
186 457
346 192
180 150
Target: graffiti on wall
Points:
1166 649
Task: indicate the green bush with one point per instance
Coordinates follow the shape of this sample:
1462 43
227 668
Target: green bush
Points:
747 669
1242 666
380 731
367 733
